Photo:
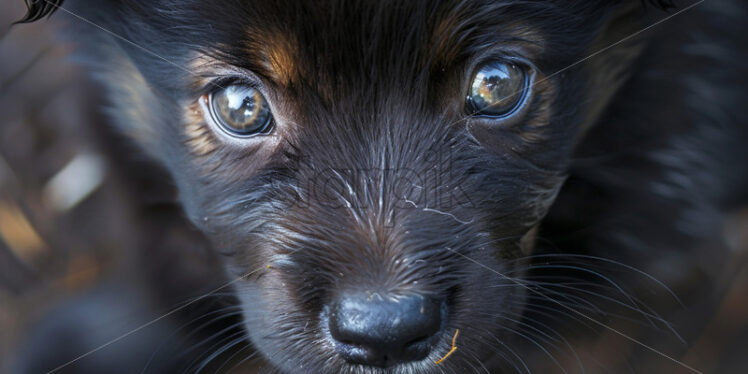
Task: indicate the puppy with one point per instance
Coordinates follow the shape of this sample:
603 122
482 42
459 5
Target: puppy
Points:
405 187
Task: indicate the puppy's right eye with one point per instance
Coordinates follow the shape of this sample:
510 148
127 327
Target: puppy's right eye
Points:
241 110
498 89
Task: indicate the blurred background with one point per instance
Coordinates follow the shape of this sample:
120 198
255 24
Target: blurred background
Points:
68 226
73 223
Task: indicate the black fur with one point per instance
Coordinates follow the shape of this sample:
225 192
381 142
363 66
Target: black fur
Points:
377 178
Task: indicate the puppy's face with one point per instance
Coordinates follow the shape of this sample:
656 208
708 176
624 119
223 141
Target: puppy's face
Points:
372 170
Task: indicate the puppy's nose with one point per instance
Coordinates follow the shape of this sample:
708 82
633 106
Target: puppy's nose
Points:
382 332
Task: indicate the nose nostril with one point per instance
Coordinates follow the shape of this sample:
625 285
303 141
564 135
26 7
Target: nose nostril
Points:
417 340
382 332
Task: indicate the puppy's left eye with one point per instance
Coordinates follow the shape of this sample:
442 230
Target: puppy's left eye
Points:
240 110
497 90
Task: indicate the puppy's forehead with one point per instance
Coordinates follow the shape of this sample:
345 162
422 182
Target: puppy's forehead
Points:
363 41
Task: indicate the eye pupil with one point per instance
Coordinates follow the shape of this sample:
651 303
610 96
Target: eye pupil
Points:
241 110
497 89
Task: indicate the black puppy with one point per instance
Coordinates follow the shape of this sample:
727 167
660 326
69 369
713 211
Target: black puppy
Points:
378 173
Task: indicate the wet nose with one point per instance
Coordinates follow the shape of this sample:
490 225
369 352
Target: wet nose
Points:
382 332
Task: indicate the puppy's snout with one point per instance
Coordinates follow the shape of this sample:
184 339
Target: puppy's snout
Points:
381 332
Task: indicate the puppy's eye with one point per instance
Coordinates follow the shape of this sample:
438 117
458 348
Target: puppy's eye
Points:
241 110
497 90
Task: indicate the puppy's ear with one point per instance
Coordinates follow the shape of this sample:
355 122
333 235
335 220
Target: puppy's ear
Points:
37 9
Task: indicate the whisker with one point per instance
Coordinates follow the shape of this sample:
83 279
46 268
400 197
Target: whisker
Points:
550 330
545 338
514 353
534 342
219 352
592 272
195 360
636 307
180 328
614 262
236 365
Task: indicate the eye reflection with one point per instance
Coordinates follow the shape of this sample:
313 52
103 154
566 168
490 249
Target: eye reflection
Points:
241 110
497 89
